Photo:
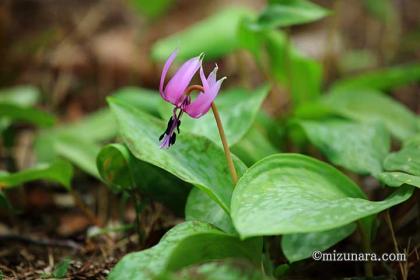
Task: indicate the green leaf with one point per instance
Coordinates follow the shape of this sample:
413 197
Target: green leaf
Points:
97 126
187 243
382 79
201 208
50 146
300 246
215 36
360 148
193 159
372 106
4 202
78 151
123 172
381 9
253 146
291 12
404 165
292 193
141 98
407 159
151 8
288 66
60 172
397 179
60 271
24 96
26 114
238 109
226 270
310 88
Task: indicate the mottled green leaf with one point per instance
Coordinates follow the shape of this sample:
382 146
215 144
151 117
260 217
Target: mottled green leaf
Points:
397 179
123 172
383 79
60 172
215 36
359 147
372 106
200 207
292 193
193 159
407 159
187 243
221 270
404 165
290 12
300 246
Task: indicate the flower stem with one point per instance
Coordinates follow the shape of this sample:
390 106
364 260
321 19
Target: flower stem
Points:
229 160
222 134
367 248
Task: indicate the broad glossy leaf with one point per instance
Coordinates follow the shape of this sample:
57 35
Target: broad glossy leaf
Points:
383 79
26 114
238 109
25 95
123 172
292 193
215 36
372 106
300 246
200 207
397 179
225 270
60 172
359 147
193 159
290 12
187 243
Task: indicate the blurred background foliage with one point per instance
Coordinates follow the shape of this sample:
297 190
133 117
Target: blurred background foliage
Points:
62 59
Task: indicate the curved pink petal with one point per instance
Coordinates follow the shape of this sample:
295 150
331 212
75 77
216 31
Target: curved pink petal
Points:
165 70
203 79
176 87
201 105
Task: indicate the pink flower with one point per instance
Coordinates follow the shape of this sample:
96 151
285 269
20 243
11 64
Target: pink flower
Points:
177 92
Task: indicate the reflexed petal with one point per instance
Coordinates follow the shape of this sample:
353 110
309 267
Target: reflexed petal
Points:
204 79
202 103
176 87
165 70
